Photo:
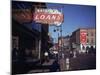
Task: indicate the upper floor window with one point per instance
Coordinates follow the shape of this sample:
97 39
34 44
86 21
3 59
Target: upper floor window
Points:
92 34
92 40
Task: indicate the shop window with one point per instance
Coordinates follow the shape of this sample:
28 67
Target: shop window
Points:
15 42
14 47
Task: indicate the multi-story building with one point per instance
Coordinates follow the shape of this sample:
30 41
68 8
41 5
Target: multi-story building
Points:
64 46
28 37
64 42
82 38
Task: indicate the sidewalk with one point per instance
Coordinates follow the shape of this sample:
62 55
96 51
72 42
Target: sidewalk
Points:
48 63
64 64
82 62
45 67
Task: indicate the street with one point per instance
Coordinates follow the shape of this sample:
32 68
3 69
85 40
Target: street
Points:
51 37
81 62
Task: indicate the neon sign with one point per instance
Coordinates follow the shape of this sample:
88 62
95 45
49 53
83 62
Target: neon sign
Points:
48 16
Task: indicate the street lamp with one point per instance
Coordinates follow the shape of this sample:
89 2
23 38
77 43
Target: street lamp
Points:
59 30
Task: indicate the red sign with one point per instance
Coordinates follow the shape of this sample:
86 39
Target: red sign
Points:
48 17
83 37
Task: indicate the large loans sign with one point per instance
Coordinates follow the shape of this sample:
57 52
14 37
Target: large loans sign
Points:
48 16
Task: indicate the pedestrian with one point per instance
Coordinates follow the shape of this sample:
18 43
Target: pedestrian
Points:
55 66
22 54
87 49
94 51
14 53
91 49
71 54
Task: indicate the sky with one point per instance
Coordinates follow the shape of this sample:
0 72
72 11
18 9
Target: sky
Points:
75 16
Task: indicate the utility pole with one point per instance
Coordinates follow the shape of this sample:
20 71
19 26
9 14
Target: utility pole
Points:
61 41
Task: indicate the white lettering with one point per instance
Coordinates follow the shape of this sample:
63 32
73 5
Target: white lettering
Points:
58 17
36 17
48 17
42 17
47 11
53 17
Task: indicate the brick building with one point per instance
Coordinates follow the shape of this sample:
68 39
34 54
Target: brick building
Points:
82 38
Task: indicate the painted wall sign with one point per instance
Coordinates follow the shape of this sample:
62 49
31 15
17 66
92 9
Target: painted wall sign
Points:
83 37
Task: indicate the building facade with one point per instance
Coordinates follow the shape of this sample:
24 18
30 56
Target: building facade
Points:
64 42
83 38
28 37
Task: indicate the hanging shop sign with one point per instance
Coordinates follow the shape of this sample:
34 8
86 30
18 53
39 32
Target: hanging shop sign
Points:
22 15
83 37
48 16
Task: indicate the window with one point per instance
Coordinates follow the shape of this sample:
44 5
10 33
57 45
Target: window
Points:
92 34
87 34
87 40
92 40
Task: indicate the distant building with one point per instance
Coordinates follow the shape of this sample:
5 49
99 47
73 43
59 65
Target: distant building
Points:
65 42
56 47
60 41
82 38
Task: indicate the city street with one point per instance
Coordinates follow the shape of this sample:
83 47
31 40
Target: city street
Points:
52 37
81 62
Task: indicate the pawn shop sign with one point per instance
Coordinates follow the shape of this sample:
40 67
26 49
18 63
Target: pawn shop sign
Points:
48 16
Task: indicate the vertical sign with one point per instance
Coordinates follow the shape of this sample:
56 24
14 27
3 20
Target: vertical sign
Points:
83 37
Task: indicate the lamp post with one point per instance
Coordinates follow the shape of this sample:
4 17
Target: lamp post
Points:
61 42
59 30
